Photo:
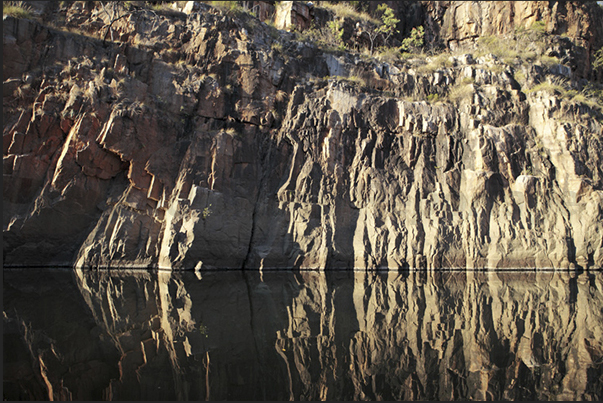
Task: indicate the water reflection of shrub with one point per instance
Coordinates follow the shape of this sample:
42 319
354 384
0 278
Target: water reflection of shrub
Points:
203 330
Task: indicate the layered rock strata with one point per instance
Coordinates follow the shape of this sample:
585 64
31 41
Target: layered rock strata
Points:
213 140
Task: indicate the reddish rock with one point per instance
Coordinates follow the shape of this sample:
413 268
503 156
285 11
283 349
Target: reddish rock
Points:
155 189
139 178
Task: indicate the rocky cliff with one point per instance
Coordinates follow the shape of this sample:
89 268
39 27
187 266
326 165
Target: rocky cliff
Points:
204 137
338 335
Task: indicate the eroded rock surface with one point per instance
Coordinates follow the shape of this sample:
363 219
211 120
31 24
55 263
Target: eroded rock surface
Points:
209 139
243 335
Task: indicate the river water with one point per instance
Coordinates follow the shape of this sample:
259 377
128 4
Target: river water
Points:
146 335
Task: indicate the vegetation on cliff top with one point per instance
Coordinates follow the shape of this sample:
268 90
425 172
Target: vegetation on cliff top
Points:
353 30
17 9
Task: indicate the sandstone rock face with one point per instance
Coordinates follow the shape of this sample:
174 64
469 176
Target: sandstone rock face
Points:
207 140
294 14
302 336
391 183
460 22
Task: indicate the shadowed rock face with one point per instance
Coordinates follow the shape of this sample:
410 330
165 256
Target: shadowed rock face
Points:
194 141
305 335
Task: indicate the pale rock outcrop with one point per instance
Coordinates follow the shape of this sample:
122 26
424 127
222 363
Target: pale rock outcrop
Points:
293 14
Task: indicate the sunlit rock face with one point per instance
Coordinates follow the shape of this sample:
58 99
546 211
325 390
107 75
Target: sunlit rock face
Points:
304 335
210 140
376 182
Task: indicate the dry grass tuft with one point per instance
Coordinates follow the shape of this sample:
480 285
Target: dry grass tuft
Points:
17 9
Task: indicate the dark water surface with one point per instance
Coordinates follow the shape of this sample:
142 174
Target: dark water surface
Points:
86 335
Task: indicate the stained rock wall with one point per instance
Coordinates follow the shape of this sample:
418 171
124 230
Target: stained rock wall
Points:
207 140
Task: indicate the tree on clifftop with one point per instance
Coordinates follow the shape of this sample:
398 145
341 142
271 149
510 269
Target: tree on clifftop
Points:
388 22
385 29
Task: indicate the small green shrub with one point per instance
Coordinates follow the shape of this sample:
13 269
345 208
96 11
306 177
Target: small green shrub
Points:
206 212
337 31
158 7
414 41
355 80
273 30
433 98
549 61
277 47
538 28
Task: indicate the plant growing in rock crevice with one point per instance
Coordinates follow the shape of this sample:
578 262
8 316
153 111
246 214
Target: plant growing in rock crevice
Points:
17 9
354 80
414 41
337 31
590 95
461 92
206 212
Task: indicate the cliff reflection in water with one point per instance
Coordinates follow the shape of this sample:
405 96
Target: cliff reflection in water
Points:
308 335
